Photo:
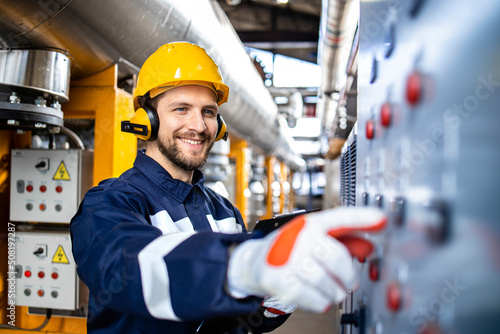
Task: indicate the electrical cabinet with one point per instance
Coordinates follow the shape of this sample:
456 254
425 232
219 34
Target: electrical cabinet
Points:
46 185
45 271
426 152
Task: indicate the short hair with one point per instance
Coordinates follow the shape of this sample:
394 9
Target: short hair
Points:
150 102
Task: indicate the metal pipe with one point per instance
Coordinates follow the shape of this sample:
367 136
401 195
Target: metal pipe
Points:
338 26
126 31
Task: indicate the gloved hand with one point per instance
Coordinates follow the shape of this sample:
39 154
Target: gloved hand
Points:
308 261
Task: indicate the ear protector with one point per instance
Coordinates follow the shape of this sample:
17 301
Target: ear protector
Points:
145 124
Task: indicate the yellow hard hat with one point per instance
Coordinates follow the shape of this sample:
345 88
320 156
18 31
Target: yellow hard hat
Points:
179 64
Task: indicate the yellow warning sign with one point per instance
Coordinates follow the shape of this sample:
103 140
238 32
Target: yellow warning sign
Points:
60 256
61 173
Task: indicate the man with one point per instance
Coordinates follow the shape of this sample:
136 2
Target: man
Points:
161 253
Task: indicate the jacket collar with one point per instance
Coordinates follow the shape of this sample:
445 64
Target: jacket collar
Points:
159 176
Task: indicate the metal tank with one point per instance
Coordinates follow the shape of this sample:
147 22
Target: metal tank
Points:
33 83
98 34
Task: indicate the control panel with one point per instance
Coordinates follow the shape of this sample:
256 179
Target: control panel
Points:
426 153
45 271
45 185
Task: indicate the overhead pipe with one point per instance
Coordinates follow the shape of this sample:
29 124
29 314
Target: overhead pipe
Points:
126 32
339 20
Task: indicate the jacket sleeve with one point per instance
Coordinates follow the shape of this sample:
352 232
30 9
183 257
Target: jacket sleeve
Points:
130 267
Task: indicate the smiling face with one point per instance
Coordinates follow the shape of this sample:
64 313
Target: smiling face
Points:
188 125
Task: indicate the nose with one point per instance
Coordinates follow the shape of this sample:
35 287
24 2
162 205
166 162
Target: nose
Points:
196 122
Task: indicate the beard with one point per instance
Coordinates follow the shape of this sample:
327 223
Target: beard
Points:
171 151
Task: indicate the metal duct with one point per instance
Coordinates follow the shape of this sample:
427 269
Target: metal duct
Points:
125 32
338 26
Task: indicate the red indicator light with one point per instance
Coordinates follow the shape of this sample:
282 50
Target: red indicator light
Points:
42 207
29 188
55 275
386 114
43 188
27 273
41 274
59 189
370 129
374 269
40 293
414 88
394 296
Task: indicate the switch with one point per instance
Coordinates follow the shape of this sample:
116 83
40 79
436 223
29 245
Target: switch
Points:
357 318
42 164
378 200
19 271
436 220
364 198
397 207
20 186
416 7
42 207
389 40
40 250
41 292
54 294
27 292
374 70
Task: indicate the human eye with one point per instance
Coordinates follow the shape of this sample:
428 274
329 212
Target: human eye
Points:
210 112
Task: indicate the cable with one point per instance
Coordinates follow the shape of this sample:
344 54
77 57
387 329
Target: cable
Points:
47 318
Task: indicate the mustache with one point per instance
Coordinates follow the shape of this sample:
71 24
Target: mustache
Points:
193 135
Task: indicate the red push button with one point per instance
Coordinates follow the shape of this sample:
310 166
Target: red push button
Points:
370 129
414 88
42 207
394 296
29 188
386 114
27 273
43 188
59 189
41 274
55 275
40 293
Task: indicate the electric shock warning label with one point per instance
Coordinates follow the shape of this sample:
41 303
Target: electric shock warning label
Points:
60 256
62 173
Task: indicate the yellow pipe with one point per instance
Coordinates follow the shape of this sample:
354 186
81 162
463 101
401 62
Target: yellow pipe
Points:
284 195
269 165
241 154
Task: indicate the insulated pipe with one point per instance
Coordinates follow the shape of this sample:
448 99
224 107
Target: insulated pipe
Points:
338 26
126 32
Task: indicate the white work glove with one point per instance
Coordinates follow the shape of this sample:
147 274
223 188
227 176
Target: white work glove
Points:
308 261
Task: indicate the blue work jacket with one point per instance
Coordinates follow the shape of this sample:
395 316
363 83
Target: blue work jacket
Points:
153 252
